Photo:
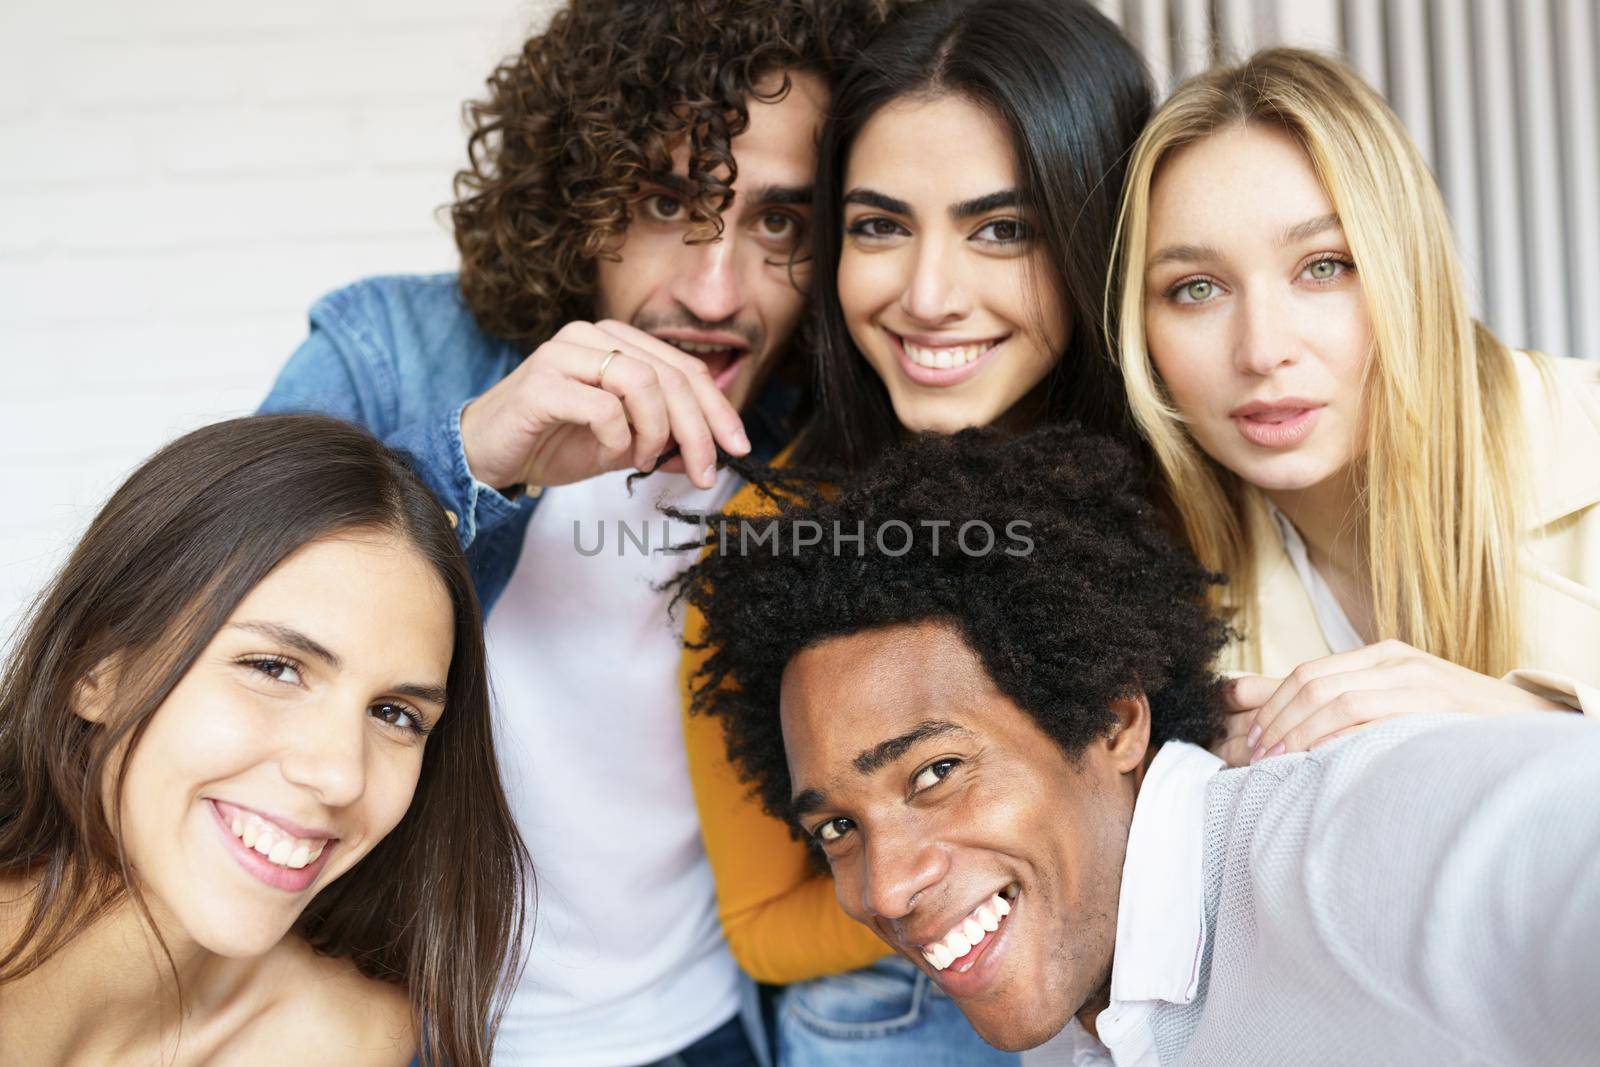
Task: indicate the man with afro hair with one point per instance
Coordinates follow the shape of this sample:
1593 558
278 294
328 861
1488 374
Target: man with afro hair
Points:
632 218
977 679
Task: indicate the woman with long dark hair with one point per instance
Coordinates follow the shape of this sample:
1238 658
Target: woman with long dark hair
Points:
249 804
965 206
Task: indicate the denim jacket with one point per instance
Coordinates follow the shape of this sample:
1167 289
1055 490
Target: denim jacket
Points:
401 356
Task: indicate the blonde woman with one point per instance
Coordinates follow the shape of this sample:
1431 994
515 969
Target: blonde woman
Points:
1408 512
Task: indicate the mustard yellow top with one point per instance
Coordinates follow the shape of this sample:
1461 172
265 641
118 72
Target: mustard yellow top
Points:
781 919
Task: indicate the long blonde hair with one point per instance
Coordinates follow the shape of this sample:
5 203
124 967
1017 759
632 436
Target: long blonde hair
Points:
1441 507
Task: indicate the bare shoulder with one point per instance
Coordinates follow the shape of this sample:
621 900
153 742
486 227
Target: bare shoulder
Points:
357 1019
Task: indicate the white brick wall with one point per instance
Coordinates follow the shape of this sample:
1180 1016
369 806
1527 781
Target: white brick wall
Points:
179 180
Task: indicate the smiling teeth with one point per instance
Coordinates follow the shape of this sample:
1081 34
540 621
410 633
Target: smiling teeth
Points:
695 348
944 356
970 932
270 841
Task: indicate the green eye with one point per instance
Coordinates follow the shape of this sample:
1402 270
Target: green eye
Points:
1323 269
1197 290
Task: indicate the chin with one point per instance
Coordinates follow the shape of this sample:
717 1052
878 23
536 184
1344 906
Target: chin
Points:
941 418
239 936
1019 1031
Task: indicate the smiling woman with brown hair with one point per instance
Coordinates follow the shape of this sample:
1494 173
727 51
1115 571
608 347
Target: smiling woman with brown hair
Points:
248 792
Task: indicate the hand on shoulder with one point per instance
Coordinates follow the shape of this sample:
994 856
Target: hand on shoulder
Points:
1327 698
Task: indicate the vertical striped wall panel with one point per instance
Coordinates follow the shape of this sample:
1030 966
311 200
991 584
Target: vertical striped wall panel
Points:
1502 98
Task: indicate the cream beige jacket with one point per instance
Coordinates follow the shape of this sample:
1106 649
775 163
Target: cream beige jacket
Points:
1560 553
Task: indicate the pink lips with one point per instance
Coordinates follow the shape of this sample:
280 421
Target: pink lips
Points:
285 878
1276 424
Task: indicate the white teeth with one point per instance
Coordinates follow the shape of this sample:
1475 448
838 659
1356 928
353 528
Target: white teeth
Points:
943 355
696 348
278 847
968 934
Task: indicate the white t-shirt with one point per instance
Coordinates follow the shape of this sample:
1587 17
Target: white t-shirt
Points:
627 962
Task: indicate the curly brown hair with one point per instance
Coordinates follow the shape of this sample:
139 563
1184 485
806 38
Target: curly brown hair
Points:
589 110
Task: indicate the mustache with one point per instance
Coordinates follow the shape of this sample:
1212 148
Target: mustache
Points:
754 337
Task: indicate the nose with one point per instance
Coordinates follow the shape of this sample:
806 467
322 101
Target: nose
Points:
933 294
1266 339
710 288
899 866
325 751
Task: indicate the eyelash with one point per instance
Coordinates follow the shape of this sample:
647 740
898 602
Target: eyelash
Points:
260 664
1178 287
859 228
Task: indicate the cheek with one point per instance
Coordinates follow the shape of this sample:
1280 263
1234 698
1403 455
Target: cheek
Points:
645 266
1189 363
391 786
780 296
866 285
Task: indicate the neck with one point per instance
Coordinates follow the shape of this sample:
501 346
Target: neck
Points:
113 988
1329 517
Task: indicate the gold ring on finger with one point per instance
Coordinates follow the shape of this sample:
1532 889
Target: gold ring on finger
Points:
604 363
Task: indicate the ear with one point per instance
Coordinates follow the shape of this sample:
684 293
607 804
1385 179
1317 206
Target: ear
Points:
1129 738
92 695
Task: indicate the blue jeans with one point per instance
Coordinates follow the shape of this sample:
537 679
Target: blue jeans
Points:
884 1015
726 1046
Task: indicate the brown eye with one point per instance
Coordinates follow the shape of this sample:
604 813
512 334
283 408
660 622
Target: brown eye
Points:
663 208
397 715
777 224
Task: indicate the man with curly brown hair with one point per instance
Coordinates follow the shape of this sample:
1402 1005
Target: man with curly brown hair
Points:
632 229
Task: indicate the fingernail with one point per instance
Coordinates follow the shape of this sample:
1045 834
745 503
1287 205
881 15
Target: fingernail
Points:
1277 750
709 475
741 442
1255 754
1253 737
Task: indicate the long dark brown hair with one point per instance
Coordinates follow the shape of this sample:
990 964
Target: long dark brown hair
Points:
439 904
1072 94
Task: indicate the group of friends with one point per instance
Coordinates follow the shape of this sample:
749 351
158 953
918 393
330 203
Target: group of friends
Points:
1194 662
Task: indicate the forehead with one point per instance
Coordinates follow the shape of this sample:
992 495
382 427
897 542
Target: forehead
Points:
847 694
942 149
370 597
779 146
1244 181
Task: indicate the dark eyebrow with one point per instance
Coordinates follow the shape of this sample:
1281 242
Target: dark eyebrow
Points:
1309 228
675 184
782 194
886 752
296 640
870 198
876 758
806 802
981 204
288 635
431 694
